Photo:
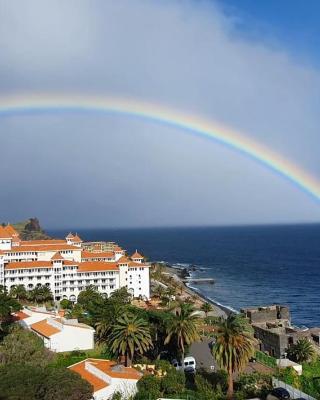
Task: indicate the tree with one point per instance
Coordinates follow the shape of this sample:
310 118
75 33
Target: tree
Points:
61 384
234 346
22 346
206 308
76 312
90 300
40 294
182 325
66 304
149 386
121 296
129 335
18 292
8 305
302 351
25 382
173 382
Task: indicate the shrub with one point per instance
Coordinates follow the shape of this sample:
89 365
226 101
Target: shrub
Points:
173 382
253 385
25 382
22 346
149 385
66 304
163 365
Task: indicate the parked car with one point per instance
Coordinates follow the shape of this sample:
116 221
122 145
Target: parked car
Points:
279 394
189 364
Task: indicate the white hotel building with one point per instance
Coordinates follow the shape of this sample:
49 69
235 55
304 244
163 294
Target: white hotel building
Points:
68 267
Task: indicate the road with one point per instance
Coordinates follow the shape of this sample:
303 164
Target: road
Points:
202 353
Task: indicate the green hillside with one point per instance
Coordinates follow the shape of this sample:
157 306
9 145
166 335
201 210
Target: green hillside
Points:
30 229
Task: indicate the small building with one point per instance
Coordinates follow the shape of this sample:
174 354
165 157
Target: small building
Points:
58 334
273 329
107 377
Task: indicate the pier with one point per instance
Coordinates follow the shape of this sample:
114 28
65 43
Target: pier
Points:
199 280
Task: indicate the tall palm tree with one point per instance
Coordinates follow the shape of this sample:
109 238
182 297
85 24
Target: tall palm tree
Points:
206 308
18 292
129 335
182 325
302 351
234 346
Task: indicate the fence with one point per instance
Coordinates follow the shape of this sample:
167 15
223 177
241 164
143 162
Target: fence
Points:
294 393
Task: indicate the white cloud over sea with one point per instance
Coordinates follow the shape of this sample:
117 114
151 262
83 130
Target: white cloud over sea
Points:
95 170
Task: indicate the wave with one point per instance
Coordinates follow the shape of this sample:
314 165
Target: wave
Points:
212 301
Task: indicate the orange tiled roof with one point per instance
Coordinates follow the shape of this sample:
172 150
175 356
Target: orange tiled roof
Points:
28 264
97 383
44 329
49 242
4 234
76 239
137 264
126 373
123 260
11 231
20 315
102 254
57 256
53 247
88 266
117 248
136 255
106 367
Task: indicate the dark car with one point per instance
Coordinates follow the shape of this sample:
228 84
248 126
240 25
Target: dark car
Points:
279 394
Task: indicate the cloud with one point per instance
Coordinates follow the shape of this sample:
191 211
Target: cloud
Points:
97 170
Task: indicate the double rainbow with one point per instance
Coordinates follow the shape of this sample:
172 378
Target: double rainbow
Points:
43 103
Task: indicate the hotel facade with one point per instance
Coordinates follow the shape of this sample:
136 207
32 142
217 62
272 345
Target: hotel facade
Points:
69 266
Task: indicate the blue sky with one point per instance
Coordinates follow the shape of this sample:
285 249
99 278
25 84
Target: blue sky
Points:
293 24
252 66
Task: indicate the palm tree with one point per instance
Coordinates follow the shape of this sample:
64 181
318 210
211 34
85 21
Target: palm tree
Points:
129 335
18 292
206 308
183 326
302 351
234 346
40 294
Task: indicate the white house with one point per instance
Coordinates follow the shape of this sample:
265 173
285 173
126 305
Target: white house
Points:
58 334
67 266
107 377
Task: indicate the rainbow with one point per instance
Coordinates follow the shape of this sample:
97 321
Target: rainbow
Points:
35 104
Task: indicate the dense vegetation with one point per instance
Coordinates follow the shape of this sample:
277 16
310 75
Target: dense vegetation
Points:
140 336
28 371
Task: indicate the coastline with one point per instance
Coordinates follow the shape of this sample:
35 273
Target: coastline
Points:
177 274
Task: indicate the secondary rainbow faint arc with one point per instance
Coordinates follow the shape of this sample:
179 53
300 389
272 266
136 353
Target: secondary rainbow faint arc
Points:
26 104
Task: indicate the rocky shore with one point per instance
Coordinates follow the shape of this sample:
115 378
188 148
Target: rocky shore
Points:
180 275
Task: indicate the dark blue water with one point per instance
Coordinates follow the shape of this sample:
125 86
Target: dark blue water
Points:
251 265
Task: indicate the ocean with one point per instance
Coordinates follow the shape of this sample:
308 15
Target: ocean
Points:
253 265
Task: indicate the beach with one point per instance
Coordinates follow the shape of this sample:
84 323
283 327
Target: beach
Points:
197 296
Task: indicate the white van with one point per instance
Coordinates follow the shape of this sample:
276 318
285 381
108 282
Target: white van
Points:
189 364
